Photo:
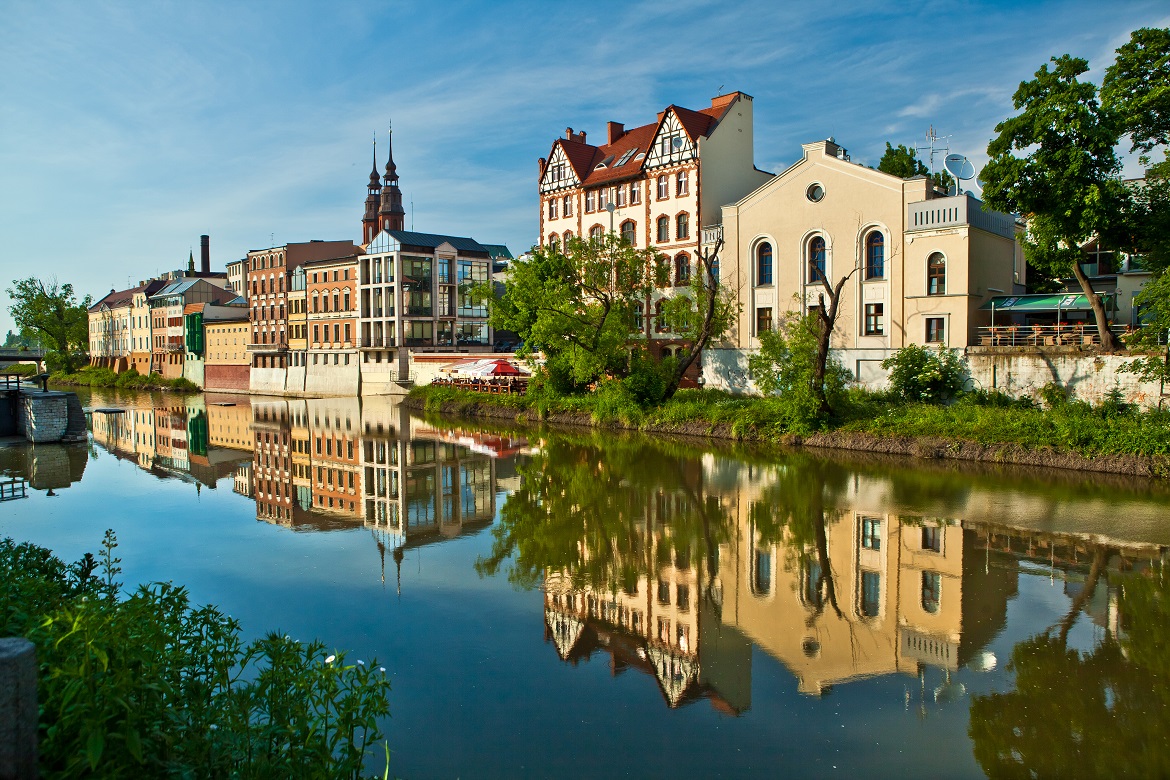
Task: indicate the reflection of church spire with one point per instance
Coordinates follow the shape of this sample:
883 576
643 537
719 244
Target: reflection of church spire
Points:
398 554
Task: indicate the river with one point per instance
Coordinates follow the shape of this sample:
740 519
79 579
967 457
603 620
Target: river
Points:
584 604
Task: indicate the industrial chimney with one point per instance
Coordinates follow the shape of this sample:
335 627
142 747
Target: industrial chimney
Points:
205 254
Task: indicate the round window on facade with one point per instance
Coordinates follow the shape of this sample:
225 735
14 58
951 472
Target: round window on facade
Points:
815 193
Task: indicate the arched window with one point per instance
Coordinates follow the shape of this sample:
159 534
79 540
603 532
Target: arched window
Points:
663 229
816 259
568 236
595 233
764 263
629 232
875 255
936 274
715 269
552 241
683 228
682 269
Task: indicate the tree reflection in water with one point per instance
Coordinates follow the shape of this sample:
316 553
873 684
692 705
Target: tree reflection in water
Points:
1100 713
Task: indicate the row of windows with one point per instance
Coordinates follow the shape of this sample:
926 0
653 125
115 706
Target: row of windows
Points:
873 323
875 263
620 195
629 231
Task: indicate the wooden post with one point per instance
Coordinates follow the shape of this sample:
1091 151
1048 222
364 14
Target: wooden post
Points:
18 709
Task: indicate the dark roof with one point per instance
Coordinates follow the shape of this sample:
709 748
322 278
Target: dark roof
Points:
327 260
116 298
498 251
434 240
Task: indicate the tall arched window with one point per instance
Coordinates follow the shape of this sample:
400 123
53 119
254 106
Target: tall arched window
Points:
936 274
552 241
764 263
629 232
663 229
816 259
568 235
660 324
875 255
595 233
683 228
682 269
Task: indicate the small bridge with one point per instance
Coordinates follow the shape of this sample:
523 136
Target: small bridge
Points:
10 355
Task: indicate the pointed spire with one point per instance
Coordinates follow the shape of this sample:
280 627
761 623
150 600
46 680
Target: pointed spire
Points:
191 261
374 170
391 169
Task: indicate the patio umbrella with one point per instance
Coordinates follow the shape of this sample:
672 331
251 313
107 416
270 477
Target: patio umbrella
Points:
497 368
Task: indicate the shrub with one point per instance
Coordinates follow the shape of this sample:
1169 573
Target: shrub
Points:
1054 395
785 366
648 378
147 685
928 376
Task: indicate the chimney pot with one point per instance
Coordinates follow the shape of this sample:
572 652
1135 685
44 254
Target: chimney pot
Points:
614 130
569 133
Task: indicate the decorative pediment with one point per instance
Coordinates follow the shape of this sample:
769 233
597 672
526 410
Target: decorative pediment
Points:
671 143
558 173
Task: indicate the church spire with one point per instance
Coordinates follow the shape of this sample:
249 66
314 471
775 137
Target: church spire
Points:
373 198
391 215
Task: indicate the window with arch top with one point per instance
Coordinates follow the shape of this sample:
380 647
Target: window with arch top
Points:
552 241
683 228
595 233
936 274
764 263
816 259
663 229
629 232
682 269
875 255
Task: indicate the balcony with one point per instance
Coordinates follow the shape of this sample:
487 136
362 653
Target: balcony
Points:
712 235
959 211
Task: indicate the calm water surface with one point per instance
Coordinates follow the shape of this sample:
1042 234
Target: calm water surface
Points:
581 605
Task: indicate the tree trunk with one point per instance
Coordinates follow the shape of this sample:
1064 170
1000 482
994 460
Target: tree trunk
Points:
827 320
710 304
1109 342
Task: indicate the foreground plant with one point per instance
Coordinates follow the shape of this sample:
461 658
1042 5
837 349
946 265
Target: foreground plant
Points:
147 685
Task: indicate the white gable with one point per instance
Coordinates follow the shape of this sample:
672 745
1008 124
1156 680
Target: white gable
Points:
558 174
671 144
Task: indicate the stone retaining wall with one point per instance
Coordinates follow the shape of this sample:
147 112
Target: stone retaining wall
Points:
1087 377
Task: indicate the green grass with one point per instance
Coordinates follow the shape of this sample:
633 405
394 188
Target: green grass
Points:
19 369
91 376
1108 429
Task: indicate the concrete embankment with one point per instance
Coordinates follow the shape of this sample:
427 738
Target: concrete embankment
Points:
923 447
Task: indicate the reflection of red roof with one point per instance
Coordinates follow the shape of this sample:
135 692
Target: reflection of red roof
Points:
584 158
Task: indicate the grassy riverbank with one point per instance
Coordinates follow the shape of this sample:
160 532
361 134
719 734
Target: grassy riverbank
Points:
127 380
978 426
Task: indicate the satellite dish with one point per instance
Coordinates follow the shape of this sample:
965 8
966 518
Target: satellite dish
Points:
979 181
959 167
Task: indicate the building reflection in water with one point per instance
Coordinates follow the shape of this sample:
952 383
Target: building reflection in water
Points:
676 566
670 562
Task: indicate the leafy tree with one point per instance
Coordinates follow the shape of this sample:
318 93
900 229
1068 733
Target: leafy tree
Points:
902 161
1137 88
786 365
1054 162
578 305
52 314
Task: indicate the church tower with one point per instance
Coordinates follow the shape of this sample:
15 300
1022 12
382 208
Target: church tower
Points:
391 215
373 198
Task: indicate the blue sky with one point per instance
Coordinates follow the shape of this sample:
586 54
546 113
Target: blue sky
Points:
128 129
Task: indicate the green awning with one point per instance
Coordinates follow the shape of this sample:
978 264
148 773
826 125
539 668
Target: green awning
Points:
1064 302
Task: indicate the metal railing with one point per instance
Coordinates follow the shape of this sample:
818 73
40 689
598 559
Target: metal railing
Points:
1065 335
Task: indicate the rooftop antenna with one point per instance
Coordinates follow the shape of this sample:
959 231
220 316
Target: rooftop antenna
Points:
271 239
411 213
932 144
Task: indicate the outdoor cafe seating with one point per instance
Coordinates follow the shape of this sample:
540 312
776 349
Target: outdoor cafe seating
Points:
1045 321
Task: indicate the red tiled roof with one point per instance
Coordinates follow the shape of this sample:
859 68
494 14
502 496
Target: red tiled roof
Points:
584 158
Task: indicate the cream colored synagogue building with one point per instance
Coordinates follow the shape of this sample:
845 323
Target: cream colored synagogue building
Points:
925 262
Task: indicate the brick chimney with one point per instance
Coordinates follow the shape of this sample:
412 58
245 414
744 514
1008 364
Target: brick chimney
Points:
540 161
205 254
614 131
